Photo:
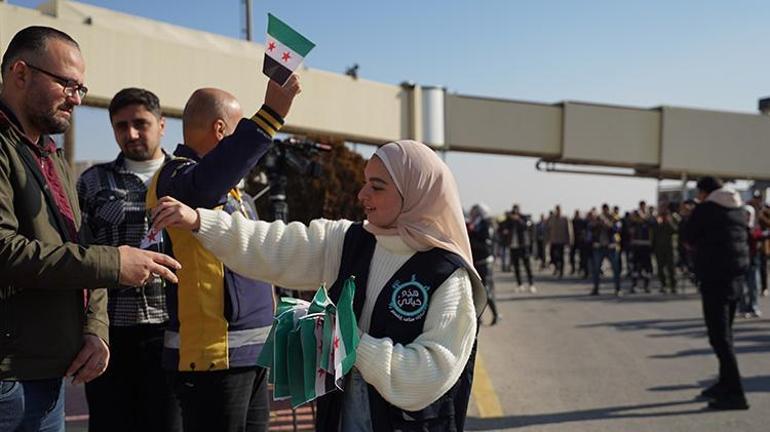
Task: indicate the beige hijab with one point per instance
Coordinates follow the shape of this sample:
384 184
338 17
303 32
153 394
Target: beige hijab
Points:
431 215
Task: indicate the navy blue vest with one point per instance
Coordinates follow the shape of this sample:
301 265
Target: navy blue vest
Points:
399 314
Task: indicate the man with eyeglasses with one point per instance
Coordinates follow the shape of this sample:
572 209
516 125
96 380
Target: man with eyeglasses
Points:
53 321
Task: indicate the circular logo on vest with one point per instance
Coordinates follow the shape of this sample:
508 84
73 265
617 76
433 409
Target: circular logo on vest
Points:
409 300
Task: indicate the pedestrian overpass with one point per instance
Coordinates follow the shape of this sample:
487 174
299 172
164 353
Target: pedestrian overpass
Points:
661 142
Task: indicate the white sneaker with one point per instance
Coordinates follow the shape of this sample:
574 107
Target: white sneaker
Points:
520 288
532 289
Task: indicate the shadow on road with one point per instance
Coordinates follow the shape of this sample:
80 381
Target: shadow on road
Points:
753 384
606 295
750 336
608 413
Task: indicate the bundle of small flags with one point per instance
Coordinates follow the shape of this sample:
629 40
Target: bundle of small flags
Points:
311 346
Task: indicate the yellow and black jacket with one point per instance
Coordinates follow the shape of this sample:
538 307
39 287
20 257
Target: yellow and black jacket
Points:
218 319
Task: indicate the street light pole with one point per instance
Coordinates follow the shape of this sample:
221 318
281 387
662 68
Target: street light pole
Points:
247 4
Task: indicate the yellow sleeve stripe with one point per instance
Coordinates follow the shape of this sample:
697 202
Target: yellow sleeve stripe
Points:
266 116
264 125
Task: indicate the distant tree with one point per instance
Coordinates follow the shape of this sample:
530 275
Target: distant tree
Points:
333 195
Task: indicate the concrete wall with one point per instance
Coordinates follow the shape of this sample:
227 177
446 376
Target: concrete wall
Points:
615 136
505 127
701 142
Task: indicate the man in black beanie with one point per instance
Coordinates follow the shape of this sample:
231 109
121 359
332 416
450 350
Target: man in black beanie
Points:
717 232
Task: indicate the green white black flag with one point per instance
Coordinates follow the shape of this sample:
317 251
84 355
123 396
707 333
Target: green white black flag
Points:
285 49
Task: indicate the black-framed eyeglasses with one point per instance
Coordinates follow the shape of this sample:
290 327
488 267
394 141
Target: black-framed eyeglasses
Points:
70 86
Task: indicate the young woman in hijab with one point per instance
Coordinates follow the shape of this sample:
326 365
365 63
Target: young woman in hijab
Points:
417 295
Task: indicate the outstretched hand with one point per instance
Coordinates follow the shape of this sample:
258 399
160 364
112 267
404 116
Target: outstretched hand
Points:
138 266
171 213
279 98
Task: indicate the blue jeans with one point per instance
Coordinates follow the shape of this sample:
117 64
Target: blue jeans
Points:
32 406
750 297
600 253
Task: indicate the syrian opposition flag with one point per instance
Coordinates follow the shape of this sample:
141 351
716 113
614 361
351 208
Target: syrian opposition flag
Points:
286 351
151 238
284 50
345 339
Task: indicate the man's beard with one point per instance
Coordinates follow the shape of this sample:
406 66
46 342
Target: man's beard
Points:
139 153
46 122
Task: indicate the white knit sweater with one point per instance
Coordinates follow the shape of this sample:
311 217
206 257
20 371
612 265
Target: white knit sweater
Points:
297 256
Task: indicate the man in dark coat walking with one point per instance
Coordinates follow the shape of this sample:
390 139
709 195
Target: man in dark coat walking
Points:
717 232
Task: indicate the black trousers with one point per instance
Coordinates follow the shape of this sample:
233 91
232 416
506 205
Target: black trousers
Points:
133 394
557 257
541 253
586 259
719 312
642 264
520 254
486 273
572 252
666 269
233 400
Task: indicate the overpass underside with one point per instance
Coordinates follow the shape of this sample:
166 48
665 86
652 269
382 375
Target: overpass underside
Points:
663 142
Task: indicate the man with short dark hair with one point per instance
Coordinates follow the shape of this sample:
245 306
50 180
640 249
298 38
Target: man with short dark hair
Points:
559 235
521 243
133 393
641 230
762 220
53 321
663 234
604 230
717 231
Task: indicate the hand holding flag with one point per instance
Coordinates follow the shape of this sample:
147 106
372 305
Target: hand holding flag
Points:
279 98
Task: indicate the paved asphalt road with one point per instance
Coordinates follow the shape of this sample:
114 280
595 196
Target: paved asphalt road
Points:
561 360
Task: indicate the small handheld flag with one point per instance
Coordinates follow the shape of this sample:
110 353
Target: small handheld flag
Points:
152 238
284 50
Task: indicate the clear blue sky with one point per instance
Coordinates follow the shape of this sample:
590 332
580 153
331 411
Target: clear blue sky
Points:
704 54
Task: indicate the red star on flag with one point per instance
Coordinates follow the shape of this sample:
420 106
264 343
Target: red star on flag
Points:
271 46
321 372
286 56
336 342
151 235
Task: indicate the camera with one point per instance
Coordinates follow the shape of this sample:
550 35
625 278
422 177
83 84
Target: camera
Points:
290 154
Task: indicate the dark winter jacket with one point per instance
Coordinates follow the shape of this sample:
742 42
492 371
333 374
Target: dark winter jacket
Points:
717 230
43 269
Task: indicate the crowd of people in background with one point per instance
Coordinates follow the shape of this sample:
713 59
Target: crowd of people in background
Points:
716 243
632 249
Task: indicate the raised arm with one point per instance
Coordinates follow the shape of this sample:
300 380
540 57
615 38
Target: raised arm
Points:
204 183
